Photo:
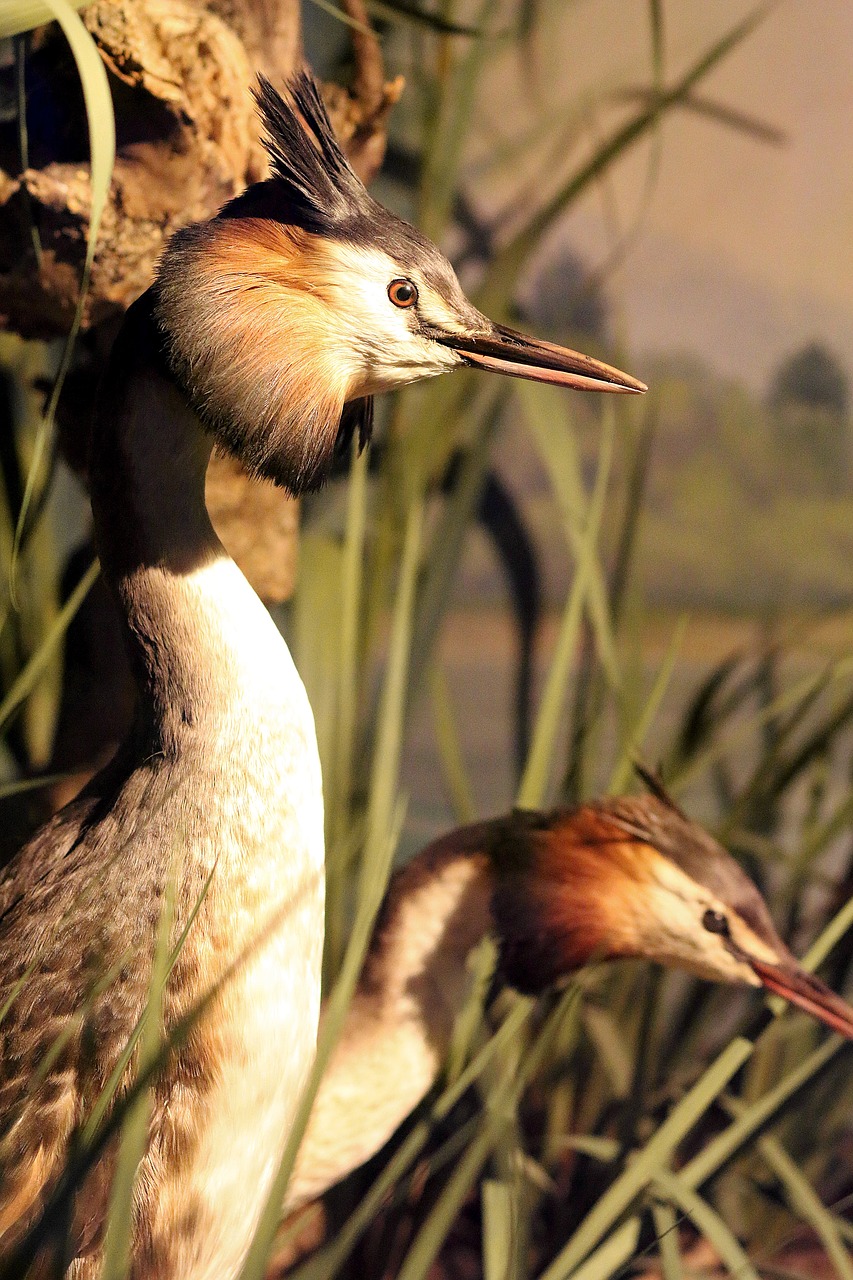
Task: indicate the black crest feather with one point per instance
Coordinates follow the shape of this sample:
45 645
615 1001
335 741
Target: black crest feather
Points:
305 154
654 783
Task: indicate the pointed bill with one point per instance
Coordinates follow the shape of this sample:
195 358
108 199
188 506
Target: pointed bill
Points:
503 350
806 992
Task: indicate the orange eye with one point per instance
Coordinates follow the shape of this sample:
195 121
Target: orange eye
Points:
402 293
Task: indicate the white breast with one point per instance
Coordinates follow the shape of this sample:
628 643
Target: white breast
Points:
263 818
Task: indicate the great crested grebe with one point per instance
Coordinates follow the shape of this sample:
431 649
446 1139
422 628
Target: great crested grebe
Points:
621 877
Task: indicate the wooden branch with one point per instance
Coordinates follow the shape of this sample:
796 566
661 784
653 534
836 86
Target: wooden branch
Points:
187 141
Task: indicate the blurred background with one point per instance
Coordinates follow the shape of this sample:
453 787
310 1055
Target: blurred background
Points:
714 256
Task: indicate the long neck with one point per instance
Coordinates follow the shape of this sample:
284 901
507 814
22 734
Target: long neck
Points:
398 1029
437 909
197 634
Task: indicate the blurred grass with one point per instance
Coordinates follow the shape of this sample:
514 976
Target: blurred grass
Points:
574 1132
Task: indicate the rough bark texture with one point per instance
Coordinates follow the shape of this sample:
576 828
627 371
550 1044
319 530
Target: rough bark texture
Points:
186 140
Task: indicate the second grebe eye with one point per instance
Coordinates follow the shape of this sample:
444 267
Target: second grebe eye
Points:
716 922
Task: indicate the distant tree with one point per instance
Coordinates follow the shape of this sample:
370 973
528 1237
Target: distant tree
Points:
812 376
809 403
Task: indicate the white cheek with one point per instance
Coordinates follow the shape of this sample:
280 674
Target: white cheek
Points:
675 934
405 357
379 345
678 937
390 352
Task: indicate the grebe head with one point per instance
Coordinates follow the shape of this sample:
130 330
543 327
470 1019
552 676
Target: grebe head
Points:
288 312
635 877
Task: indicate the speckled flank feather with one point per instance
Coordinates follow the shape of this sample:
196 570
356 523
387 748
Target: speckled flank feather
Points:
232 1079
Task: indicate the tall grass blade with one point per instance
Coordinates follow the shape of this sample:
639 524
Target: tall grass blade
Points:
537 771
101 122
433 1233
720 1149
496 293
404 11
17 16
681 1119
339 782
652 1158
449 131
469 1021
790 697
449 747
720 112
28 677
23 136
108 1092
497 1229
608 1261
383 823
315 636
709 1224
547 416
802 1196
22 785
108 1114
501 1102
328 1261
134 1133
829 936
335 11
666 1233
611 1047
449 537
100 1127
392 710
636 736
341 680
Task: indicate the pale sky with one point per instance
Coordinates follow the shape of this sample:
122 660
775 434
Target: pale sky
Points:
745 249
